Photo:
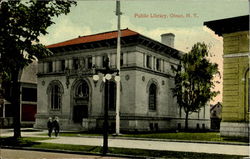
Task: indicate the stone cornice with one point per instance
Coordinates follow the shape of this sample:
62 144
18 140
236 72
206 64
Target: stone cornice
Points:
124 68
236 55
137 68
111 44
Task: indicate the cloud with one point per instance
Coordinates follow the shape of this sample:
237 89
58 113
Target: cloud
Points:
185 37
64 30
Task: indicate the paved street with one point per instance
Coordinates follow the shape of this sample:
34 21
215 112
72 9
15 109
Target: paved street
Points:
146 144
23 154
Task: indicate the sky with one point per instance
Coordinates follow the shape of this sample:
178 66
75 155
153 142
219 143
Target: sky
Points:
151 18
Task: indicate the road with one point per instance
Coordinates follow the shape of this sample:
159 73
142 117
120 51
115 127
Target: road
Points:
24 154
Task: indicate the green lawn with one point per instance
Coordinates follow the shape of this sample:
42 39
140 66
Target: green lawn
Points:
32 142
203 136
187 136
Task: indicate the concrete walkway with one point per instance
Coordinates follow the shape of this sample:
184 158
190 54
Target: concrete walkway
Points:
227 149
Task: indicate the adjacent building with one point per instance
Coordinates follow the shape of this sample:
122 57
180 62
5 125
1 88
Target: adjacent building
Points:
66 88
215 116
28 99
235 111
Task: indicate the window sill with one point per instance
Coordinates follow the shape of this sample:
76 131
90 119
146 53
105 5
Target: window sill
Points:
55 110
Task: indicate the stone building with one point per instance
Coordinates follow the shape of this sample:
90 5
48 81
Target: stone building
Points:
235 111
66 88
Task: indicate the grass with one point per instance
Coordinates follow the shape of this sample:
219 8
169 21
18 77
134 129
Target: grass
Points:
187 136
32 142
20 142
204 136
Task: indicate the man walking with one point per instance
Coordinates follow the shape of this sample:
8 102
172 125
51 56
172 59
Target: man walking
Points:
50 126
56 126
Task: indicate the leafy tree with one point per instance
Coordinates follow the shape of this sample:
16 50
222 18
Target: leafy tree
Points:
194 80
21 24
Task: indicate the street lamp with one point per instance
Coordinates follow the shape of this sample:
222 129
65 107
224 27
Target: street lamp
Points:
107 72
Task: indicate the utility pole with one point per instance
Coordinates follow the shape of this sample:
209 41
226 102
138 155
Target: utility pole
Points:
118 65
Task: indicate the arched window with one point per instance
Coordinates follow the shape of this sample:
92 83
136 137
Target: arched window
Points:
82 90
152 97
55 97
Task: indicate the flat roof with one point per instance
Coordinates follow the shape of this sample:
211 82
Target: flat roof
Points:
229 25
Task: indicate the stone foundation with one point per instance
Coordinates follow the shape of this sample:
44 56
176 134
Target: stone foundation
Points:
237 129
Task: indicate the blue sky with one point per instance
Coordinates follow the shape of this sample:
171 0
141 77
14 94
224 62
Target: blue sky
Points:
96 16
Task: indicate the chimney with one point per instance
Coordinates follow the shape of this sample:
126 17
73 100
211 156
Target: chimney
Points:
168 39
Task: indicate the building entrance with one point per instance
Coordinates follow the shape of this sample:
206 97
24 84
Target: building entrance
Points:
81 102
80 112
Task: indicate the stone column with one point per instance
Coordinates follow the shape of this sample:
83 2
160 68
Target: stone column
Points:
99 61
85 62
70 64
143 60
40 67
152 62
66 63
93 61
113 61
125 56
110 58
45 67
155 63
163 65
58 66
53 66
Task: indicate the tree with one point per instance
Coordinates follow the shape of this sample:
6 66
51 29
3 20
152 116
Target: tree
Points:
21 24
194 80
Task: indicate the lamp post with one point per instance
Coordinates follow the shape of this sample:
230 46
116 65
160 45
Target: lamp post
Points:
107 72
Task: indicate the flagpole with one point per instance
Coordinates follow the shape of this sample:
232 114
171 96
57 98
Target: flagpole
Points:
118 84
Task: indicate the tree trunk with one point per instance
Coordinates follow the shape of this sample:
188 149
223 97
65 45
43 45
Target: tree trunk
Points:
186 121
15 100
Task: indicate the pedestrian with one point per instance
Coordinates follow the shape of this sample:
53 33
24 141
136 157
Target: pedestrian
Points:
50 126
56 126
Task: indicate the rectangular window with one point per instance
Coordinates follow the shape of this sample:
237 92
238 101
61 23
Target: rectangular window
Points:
103 60
90 62
152 104
148 61
62 65
29 94
76 63
158 64
55 98
50 66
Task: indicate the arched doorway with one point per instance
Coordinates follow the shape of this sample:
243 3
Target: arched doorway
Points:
81 98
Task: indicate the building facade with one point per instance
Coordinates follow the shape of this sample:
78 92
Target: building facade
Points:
66 88
28 98
235 111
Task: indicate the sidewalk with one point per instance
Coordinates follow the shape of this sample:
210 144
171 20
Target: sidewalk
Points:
242 150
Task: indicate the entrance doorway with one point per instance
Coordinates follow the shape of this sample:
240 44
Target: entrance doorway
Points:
81 102
80 112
